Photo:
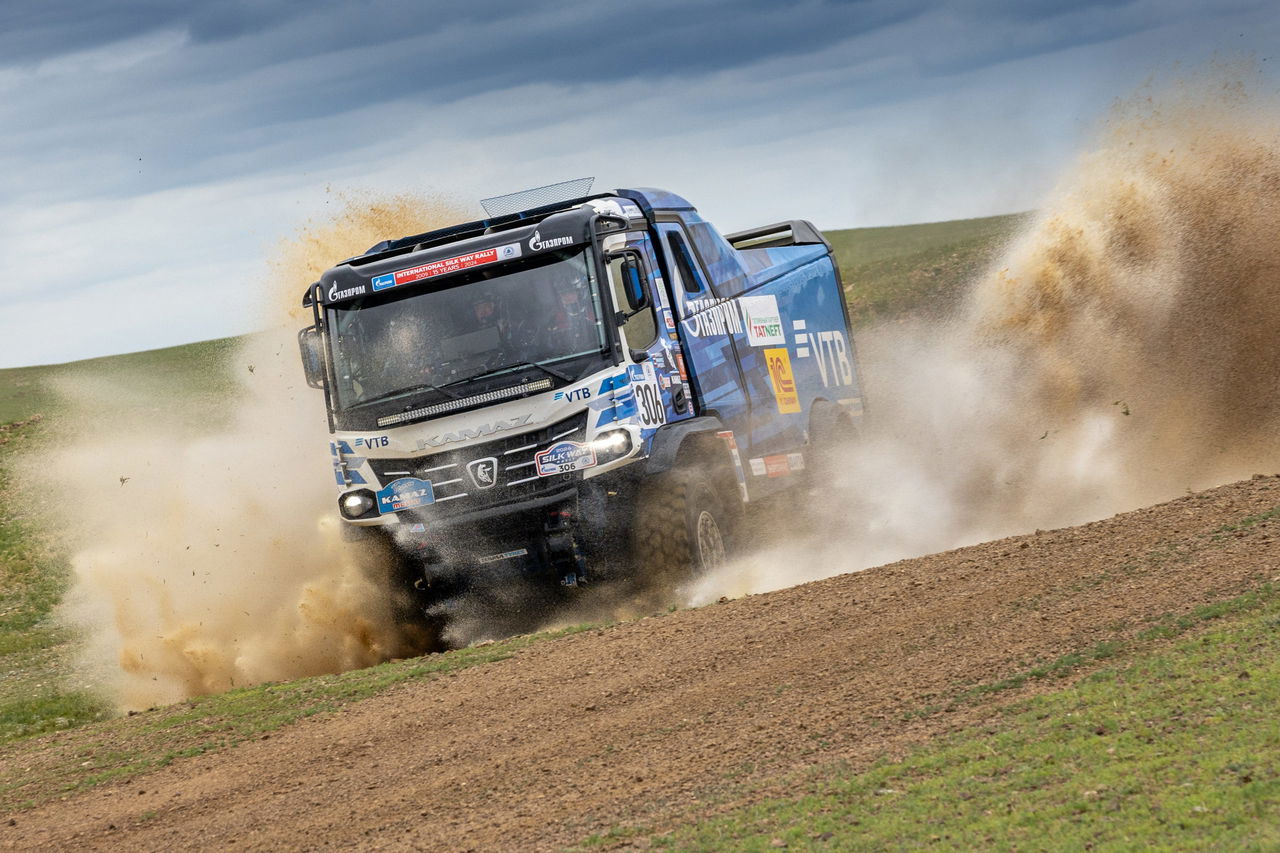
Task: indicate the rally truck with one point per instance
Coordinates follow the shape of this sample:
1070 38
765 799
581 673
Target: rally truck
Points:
591 387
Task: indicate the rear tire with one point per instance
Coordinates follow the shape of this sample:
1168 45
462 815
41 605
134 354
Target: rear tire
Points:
682 530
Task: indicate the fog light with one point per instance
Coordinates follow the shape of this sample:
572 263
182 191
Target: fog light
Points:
611 445
356 504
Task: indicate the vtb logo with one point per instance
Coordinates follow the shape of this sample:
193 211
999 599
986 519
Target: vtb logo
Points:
483 472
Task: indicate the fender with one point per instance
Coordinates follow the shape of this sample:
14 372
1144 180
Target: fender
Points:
668 439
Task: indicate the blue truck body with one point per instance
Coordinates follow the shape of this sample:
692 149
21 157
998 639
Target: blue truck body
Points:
712 365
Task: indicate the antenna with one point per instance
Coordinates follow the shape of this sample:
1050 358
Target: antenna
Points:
501 205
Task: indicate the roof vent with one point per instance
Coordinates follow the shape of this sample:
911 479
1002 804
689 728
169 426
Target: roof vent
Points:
502 205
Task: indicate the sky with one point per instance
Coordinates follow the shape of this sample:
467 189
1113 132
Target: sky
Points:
154 152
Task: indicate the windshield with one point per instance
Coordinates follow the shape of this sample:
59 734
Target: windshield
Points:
540 312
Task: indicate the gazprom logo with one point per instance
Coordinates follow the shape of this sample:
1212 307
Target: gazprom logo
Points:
335 294
382 282
537 244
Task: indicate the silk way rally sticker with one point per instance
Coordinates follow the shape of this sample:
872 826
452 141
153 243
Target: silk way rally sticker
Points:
445 266
405 493
564 457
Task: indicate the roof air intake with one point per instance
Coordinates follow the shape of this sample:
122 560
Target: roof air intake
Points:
503 205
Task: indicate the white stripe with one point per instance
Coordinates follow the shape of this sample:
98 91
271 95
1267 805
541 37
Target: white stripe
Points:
518 449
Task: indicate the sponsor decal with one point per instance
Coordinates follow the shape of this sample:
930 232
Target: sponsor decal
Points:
764 323
335 293
537 244
483 472
668 320
563 457
576 394
834 364
784 382
757 467
684 377
796 461
777 466
505 555
446 266
405 493
417 527
373 441
712 317
666 381
468 433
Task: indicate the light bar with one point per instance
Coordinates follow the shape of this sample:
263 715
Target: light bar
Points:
452 405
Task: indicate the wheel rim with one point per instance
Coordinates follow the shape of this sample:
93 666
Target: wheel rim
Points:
710 542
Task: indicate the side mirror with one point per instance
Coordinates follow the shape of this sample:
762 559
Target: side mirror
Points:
632 278
312 356
637 298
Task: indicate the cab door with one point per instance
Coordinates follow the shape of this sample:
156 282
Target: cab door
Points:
659 377
706 325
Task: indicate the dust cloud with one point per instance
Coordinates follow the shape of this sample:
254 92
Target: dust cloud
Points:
1124 350
207 550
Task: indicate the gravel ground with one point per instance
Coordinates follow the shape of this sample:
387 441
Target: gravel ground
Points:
668 718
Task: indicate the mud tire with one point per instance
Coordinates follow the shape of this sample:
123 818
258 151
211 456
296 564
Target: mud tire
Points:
682 530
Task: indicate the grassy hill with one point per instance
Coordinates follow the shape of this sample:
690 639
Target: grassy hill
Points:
916 268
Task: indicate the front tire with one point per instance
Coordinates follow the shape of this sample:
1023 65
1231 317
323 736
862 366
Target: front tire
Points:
682 530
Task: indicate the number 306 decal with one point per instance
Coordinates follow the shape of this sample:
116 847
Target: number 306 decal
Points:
649 399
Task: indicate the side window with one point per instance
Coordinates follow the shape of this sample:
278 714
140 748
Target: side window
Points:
641 329
690 280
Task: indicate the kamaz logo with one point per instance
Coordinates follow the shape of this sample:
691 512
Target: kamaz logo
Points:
469 433
537 244
484 472
570 396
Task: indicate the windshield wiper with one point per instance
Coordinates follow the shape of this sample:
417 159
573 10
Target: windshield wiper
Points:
400 392
551 371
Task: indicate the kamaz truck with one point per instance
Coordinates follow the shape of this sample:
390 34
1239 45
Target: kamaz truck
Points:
593 387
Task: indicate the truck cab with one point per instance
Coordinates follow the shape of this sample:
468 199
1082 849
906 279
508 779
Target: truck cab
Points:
598 385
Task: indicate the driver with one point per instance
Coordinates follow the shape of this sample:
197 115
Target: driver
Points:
574 320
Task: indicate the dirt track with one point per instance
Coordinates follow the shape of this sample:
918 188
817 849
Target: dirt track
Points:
648 720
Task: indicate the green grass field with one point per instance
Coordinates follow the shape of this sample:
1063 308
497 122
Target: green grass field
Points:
1171 747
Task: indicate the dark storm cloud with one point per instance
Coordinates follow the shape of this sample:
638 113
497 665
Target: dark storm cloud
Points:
193 89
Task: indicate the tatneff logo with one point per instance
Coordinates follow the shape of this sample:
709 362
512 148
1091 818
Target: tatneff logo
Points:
334 293
473 432
537 244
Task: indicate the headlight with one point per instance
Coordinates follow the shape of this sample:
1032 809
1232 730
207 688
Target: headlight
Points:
356 504
611 445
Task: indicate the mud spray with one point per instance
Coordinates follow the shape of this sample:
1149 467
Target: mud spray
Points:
208 556
1123 351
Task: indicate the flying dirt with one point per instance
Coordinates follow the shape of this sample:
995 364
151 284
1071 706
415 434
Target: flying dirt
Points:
1120 352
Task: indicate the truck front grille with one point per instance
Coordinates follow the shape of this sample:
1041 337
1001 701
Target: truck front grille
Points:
456 489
